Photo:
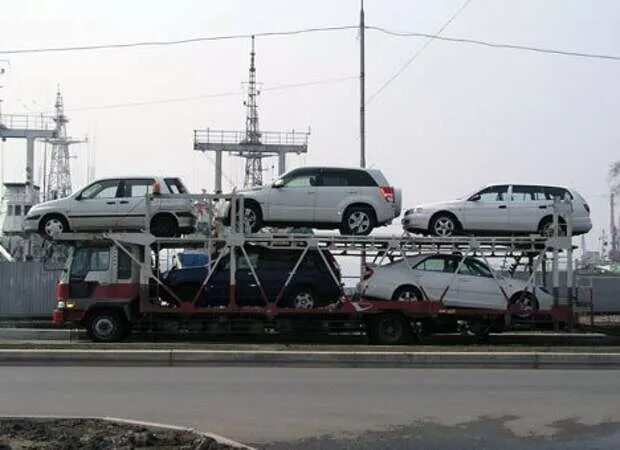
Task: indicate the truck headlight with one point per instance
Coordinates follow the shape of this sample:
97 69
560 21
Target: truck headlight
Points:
61 305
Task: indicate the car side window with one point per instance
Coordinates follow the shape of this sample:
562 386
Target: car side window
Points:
553 192
242 262
301 179
493 194
175 185
360 178
475 268
523 193
438 264
101 189
137 187
335 178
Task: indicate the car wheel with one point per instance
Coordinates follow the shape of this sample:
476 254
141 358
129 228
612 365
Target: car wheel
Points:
444 225
53 225
546 228
107 326
302 298
253 217
407 294
358 221
164 225
527 304
390 329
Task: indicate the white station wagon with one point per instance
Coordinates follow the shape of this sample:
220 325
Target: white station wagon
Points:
116 204
498 209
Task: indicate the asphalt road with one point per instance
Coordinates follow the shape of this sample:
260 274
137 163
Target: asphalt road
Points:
304 408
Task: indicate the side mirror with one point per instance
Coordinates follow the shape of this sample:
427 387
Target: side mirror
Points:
474 198
278 183
55 257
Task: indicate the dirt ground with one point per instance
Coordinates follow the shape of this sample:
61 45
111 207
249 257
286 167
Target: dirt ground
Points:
90 434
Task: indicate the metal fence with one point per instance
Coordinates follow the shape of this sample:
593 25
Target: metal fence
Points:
27 290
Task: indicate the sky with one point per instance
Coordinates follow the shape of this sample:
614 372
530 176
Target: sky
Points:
459 117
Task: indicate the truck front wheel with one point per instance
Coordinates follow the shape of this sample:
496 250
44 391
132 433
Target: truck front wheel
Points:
107 326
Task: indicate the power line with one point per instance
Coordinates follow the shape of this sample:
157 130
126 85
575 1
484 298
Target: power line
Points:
418 52
215 95
496 44
176 42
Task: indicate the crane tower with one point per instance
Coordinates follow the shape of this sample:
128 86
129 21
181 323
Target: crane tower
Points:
250 144
59 175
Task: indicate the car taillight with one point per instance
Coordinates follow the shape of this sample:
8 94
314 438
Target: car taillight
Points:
388 193
368 272
587 207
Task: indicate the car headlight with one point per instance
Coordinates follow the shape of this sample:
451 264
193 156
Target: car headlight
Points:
418 210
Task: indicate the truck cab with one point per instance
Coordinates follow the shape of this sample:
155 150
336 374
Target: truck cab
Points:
99 287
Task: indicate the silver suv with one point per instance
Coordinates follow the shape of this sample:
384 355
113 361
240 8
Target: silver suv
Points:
352 200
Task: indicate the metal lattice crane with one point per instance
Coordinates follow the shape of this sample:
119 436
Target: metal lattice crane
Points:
59 175
253 160
251 144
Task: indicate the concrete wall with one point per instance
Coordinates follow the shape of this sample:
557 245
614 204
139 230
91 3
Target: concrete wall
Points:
27 290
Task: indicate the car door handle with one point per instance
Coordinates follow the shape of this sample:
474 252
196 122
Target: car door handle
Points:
502 206
464 280
543 206
110 203
309 192
352 192
124 202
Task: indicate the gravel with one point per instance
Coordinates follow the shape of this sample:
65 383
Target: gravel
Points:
94 434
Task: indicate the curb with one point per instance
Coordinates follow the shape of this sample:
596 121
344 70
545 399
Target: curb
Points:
154 425
258 358
38 334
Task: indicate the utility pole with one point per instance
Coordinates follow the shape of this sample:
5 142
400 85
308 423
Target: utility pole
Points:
362 89
362 111
612 223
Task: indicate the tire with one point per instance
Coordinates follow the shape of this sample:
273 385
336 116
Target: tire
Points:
528 303
390 329
546 228
164 225
358 221
53 224
107 326
444 225
253 217
407 294
302 298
